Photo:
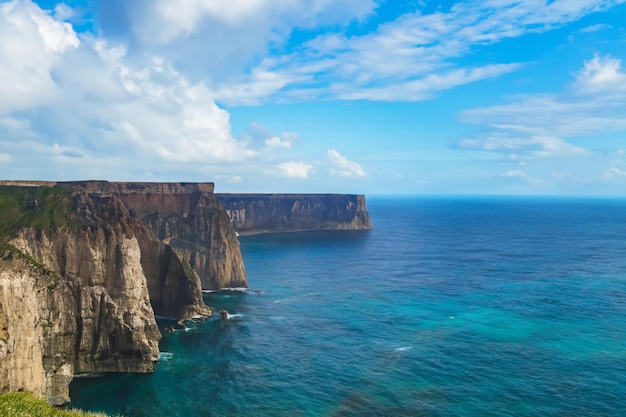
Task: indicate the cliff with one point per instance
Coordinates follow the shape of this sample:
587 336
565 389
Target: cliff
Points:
260 213
85 266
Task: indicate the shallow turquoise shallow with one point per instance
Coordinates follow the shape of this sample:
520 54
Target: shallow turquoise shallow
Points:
449 307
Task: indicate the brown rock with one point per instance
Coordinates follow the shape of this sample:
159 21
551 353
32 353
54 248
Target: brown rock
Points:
81 299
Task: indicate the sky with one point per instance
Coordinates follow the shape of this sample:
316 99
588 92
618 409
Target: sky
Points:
520 97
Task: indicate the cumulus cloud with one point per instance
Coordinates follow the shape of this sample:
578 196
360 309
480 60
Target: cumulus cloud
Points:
216 41
32 43
86 99
342 167
602 73
276 142
294 169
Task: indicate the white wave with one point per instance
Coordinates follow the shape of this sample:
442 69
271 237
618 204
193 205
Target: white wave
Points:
403 348
235 289
225 315
285 300
165 356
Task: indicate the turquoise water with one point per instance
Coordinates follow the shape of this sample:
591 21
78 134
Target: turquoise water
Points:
449 307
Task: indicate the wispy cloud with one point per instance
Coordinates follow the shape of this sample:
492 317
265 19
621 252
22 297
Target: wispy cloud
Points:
516 174
543 124
615 172
408 59
595 28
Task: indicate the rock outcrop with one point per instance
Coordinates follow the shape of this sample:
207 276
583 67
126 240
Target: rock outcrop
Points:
261 213
85 266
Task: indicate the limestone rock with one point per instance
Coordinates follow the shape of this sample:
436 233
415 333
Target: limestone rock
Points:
83 272
260 213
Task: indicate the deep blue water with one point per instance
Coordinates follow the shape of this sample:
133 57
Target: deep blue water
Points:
449 307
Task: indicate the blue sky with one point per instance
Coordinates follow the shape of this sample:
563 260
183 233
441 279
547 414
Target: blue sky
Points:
354 96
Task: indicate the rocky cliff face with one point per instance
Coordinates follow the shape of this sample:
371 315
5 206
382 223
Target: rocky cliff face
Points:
85 266
189 219
259 213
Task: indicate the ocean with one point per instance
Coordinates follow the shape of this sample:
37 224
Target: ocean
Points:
450 306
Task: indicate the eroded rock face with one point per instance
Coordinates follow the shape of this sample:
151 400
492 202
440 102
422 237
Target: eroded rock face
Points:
94 317
22 341
190 219
82 298
260 213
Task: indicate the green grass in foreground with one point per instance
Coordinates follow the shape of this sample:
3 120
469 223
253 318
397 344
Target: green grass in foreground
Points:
24 404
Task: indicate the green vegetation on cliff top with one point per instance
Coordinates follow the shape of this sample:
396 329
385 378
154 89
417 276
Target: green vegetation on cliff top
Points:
24 404
39 207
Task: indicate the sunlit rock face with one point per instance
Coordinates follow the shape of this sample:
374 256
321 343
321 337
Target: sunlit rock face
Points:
85 267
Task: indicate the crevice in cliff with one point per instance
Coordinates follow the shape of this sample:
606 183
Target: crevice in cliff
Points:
78 299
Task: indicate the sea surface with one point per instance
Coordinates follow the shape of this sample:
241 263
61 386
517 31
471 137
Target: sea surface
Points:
463 306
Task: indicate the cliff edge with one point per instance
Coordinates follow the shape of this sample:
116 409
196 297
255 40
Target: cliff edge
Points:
85 266
262 213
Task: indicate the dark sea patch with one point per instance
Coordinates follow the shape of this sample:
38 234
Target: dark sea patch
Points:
448 307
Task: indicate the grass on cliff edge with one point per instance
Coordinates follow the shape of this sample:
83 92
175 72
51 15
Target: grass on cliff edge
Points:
24 404
18 209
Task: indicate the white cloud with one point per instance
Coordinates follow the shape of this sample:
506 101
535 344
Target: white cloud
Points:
13 124
164 21
241 51
217 41
93 101
294 169
5 157
595 28
507 141
544 124
615 172
408 59
342 167
276 142
518 174
32 43
601 74
63 12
